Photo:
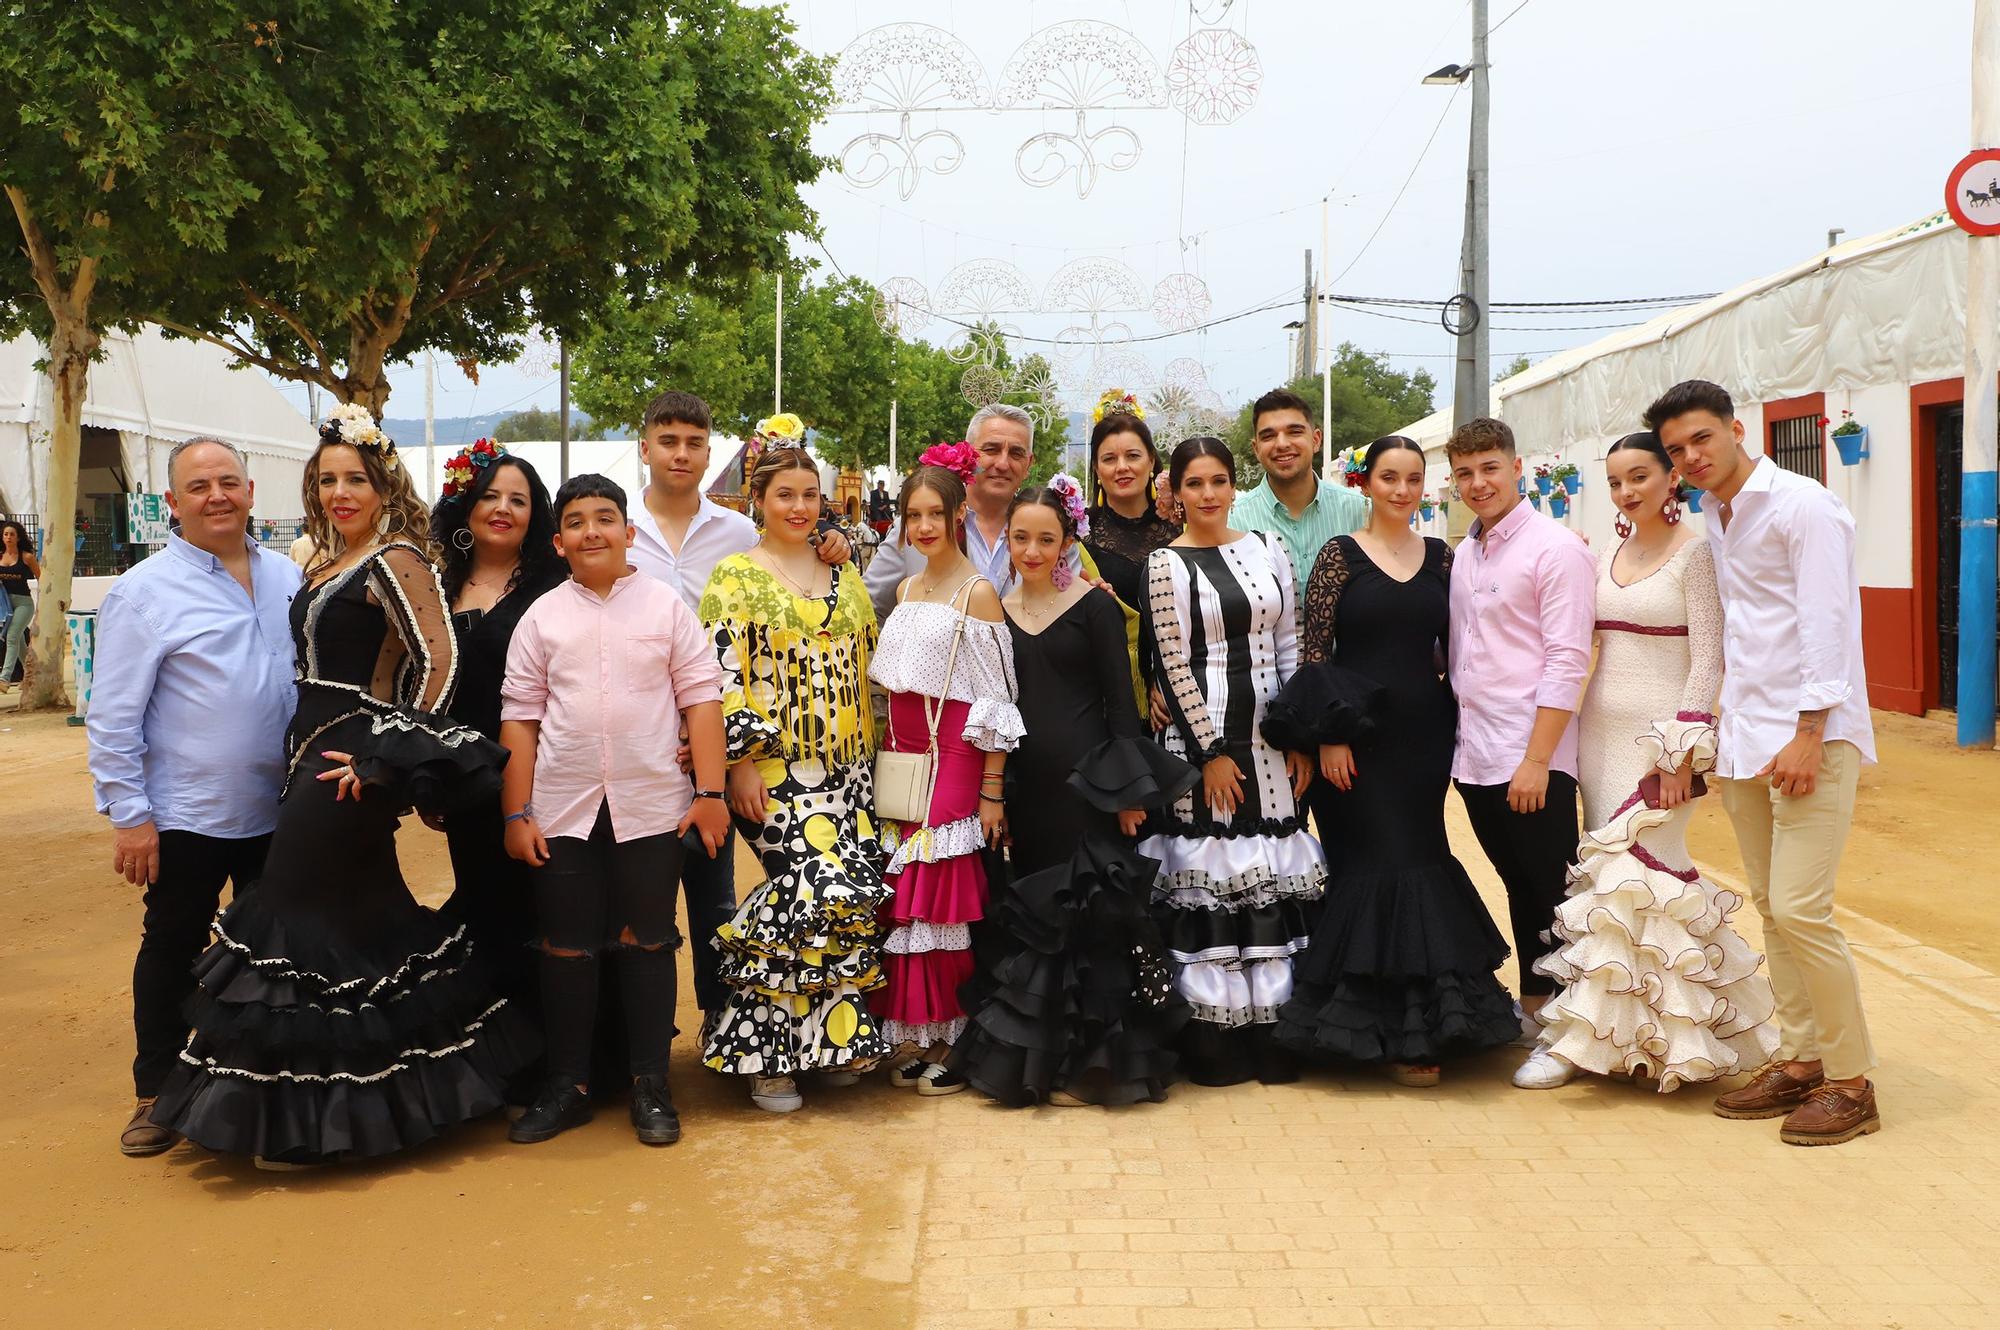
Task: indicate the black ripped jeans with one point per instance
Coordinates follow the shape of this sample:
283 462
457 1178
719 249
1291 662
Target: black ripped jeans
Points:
605 895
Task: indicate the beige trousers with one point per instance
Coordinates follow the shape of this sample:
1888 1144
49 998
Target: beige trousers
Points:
1791 851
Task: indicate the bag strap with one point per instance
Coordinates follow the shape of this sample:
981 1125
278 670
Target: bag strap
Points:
934 719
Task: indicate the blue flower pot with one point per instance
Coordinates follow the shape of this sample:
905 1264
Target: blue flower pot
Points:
1559 505
1572 484
1853 447
1543 484
1694 500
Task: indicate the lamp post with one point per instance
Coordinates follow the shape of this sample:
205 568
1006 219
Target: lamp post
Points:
1470 396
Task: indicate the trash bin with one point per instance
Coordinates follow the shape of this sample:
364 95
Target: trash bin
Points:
83 653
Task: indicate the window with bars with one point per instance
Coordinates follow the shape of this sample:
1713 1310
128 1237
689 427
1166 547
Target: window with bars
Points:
1796 445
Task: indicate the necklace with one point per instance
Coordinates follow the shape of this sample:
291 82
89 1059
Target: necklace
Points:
804 593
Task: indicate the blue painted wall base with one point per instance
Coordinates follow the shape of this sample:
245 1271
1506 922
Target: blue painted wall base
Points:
1976 572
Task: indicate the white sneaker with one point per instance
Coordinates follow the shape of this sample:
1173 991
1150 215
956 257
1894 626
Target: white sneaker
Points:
1531 1029
776 1094
1545 1069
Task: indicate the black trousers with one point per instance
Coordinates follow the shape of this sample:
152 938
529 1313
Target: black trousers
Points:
604 895
179 906
1532 852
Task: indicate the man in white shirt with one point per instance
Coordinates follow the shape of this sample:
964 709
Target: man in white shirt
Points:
679 535
1795 733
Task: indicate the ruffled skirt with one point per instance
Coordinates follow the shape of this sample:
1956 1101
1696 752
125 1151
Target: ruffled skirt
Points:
801 951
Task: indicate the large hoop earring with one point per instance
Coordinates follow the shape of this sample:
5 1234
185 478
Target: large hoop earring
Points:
461 539
1671 509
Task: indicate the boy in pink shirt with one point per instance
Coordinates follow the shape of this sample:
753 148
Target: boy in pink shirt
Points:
601 674
1523 607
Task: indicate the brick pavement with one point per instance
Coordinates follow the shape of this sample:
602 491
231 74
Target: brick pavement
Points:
1349 1201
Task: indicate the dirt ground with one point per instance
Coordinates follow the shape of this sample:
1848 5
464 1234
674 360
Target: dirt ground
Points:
807 1220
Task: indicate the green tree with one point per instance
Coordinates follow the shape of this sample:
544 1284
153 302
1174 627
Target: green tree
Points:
119 160
540 424
488 166
1370 399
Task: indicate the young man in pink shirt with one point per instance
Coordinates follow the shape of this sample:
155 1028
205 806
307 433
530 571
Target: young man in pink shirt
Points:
1523 607
601 674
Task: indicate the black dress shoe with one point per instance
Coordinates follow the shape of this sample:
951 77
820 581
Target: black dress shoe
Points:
653 1116
556 1109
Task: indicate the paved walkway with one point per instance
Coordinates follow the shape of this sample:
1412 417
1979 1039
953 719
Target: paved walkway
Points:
1349 1201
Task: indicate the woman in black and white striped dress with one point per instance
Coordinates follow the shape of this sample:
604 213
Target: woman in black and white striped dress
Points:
1237 868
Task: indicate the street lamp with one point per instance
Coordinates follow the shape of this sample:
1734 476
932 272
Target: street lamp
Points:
1470 396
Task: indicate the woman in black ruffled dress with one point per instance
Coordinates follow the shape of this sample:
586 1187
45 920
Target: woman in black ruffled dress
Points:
1400 967
336 1015
1078 1005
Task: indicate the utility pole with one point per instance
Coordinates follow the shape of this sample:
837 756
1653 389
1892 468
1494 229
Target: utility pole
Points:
1321 311
1976 537
430 424
778 349
1471 392
562 374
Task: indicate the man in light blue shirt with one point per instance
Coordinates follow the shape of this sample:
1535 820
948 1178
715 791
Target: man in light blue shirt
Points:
1294 502
193 692
1004 437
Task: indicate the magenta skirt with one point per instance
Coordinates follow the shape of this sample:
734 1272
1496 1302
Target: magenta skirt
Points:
940 885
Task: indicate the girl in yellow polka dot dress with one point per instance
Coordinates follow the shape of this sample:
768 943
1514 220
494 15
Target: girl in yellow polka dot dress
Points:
793 638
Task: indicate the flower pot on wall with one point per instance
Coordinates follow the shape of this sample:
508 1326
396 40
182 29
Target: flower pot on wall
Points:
1853 447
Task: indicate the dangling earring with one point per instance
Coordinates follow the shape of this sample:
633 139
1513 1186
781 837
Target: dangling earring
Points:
462 538
1671 509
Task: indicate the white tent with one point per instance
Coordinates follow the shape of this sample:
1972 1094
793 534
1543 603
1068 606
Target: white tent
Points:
154 392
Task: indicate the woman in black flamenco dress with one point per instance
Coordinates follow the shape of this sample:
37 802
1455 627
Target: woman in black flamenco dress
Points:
336 1016
1400 967
1077 1005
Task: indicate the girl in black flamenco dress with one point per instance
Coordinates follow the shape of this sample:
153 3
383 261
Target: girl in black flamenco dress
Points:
1400 967
336 1016
1077 1004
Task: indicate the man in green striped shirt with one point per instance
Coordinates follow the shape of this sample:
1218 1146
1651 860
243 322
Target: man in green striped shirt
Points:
1293 501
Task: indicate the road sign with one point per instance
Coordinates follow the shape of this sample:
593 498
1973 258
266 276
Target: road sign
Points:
1972 192
146 519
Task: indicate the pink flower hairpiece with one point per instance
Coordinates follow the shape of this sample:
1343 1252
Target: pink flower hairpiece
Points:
958 458
1064 484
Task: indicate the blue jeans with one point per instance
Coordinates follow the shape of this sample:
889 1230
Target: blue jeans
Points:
17 634
710 885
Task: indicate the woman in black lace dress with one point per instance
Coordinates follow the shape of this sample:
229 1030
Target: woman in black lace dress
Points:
336 1015
1400 968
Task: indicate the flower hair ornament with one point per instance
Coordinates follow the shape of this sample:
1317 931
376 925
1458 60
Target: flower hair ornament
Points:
354 425
1352 464
960 458
1064 484
783 430
464 468
1116 401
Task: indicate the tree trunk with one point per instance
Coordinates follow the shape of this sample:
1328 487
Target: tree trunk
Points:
71 346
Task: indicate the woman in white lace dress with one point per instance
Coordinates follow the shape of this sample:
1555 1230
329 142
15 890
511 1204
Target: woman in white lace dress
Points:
1656 981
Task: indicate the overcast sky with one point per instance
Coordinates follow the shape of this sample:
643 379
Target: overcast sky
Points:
1638 149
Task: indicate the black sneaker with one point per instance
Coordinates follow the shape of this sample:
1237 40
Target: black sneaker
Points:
556 1109
653 1116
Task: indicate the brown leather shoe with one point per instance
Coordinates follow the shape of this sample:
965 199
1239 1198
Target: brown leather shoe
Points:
141 1137
1772 1093
1832 1115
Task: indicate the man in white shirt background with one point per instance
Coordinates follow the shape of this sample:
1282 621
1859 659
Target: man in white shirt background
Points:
679 535
1795 732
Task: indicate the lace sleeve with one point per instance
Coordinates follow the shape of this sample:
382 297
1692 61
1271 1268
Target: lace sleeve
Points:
420 666
1167 605
1322 599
